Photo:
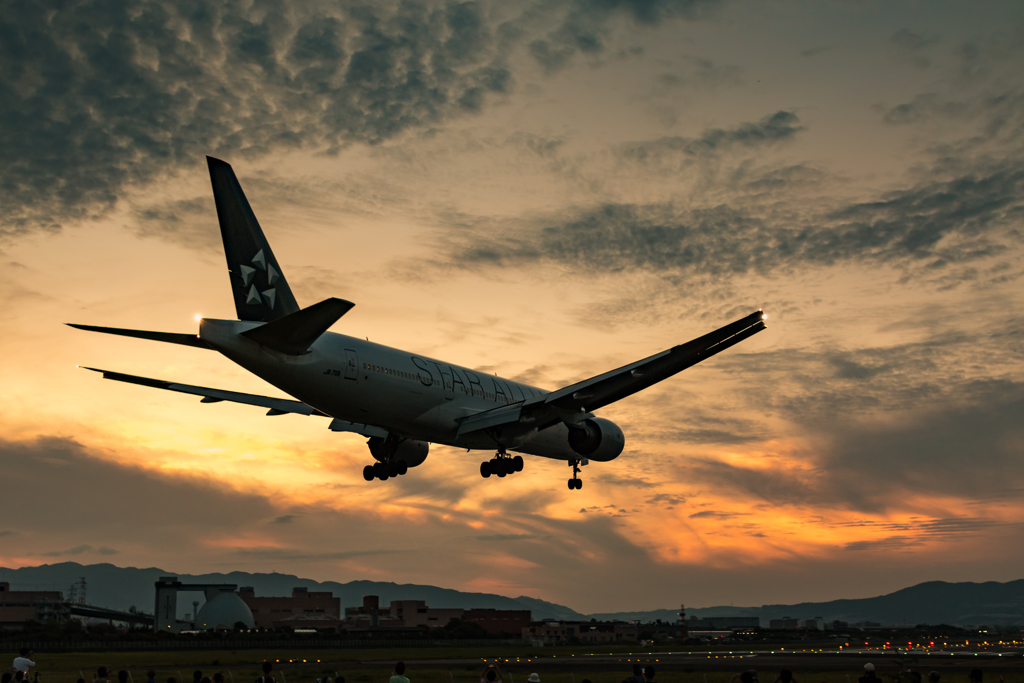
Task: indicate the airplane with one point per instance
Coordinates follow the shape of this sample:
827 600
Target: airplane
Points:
401 401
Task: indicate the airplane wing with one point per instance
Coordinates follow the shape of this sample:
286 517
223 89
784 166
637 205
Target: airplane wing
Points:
275 406
576 401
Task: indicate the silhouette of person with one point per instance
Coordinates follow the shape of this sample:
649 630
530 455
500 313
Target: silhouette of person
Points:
933 677
399 676
869 675
491 674
648 674
785 676
266 677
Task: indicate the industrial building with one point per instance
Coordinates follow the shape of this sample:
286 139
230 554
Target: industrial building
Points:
553 632
304 609
17 608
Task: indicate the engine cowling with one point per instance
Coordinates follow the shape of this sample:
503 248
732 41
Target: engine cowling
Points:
393 449
412 452
597 439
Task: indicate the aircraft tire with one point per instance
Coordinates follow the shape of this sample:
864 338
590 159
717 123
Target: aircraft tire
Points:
383 476
517 463
579 484
403 467
368 473
393 469
500 469
485 469
571 484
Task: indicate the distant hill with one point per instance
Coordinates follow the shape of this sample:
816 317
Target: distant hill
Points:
935 602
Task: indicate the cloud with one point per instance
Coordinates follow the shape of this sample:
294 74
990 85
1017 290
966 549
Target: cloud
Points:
284 519
933 225
81 549
714 514
505 537
97 97
774 128
583 26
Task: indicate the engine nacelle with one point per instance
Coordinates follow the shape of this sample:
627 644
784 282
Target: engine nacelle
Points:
393 449
597 439
412 452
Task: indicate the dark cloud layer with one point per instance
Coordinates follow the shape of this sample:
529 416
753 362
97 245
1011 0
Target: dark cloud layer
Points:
773 128
583 26
933 224
96 95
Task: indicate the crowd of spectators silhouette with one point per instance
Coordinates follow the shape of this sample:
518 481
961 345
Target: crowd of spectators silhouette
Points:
19 673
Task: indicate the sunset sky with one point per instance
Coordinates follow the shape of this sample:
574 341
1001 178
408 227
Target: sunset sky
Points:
546 189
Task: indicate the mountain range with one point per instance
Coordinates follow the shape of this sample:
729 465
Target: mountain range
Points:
934 602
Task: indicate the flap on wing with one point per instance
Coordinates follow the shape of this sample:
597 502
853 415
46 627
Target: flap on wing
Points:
338 425
490 418
295 333
169 337
275 406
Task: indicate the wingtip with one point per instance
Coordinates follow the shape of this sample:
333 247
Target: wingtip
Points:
213 161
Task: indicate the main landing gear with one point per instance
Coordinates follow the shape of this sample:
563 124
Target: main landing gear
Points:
575 482
501 465
385 470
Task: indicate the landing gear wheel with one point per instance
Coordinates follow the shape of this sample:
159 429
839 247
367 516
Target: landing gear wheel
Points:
517 463
403 467
368 473
393 469
485 469
579 484
381 471
572 484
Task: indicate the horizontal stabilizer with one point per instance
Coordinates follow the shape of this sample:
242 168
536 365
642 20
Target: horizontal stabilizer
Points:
275 406
169 337
295 333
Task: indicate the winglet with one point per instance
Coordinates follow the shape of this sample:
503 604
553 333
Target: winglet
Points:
295 333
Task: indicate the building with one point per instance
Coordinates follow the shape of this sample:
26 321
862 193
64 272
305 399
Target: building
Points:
497 621
304 609
605 632
784 624
552 632
17 608
417 614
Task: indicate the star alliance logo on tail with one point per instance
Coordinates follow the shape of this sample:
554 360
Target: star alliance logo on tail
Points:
247 273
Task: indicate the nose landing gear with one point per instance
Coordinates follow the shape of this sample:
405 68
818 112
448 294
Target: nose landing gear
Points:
501 465
575 482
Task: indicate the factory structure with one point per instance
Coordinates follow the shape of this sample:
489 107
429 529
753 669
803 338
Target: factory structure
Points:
227 607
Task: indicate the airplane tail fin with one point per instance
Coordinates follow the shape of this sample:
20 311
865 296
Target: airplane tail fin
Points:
257 283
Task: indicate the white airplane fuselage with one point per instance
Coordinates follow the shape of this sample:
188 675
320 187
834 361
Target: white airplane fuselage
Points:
410 395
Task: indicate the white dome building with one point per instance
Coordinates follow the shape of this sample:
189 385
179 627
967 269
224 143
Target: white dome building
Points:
224 611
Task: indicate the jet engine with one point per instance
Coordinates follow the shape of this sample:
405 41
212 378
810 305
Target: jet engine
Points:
412 452
597 439
394 449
